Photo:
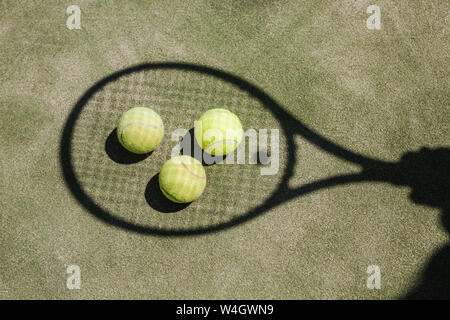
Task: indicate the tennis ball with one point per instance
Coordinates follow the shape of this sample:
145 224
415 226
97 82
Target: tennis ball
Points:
140 130
218 131
182 179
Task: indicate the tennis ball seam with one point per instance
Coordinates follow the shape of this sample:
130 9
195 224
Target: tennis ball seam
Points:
192 173
226 118
170 194
140 124
216 112
220 142
182 181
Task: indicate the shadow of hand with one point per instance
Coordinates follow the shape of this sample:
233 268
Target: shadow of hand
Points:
427 173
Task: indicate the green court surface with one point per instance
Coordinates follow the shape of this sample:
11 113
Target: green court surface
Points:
363 179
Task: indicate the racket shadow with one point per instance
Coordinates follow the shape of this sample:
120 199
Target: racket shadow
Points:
373 169
426 172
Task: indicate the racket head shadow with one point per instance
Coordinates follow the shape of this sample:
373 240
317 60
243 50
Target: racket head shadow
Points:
122 195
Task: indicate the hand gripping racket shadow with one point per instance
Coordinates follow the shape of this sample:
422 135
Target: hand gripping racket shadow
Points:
424 171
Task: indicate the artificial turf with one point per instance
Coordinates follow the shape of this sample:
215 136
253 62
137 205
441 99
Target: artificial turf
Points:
381 93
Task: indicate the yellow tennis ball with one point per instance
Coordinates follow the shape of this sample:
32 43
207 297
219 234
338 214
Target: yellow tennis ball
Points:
182 179
218 131
140 130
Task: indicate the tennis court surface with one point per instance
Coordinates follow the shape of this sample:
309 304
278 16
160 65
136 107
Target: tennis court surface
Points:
347 199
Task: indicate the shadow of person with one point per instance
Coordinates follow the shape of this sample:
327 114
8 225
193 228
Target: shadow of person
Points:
190 147
427 173
117 153
156 199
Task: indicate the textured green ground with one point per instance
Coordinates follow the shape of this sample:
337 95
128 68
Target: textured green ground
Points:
381 93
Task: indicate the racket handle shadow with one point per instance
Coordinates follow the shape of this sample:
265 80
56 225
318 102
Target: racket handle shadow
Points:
426 172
